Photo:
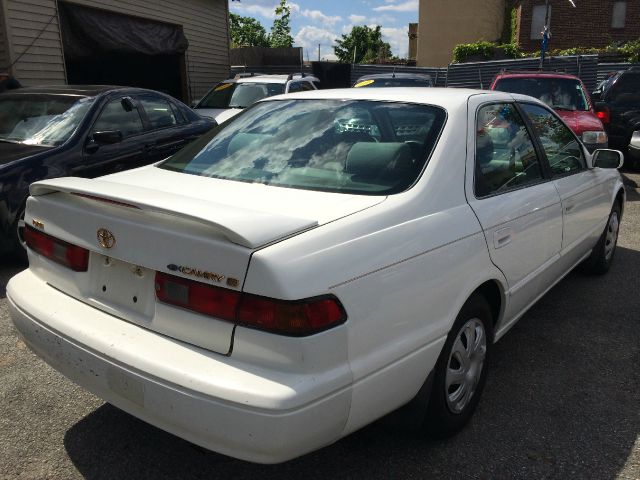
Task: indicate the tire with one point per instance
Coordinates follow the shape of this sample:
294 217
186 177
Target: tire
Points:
19 253
461 370
602 255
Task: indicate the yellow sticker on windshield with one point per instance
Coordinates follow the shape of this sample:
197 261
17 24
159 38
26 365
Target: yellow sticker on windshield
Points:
364 83
222 86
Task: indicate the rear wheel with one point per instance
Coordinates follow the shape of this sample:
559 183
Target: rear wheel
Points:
461 370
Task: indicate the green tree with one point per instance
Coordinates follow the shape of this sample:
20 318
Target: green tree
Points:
281 30
247 32
367 44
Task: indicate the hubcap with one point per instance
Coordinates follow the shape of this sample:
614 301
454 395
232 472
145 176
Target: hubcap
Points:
465 364
611 237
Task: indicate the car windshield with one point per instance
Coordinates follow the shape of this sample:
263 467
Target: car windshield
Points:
393 82
239 95
355 146
41 119
558 93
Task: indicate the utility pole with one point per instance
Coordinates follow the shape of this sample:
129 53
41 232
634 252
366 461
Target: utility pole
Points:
546 33
318 52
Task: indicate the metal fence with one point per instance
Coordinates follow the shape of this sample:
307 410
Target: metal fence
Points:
471 75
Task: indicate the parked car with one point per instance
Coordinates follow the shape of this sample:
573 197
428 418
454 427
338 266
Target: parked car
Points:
394 80
314 263
566 94
84 131
618 106
229 97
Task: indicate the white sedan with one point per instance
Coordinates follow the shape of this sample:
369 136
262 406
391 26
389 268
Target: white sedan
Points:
321 260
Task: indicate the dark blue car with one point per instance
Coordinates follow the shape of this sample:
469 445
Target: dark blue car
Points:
83 131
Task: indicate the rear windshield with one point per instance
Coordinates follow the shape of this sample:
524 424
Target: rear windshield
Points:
355 146
239 95
558 93
626 90
393 82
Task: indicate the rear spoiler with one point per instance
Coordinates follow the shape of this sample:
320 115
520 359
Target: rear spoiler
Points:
245 227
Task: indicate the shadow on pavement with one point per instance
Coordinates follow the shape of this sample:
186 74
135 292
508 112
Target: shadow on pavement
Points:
561 401
9 266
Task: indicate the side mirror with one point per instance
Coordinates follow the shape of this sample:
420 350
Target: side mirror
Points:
605 158
107 137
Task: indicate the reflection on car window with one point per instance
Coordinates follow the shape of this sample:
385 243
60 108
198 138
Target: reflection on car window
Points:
114 116
246 94
560 145
329 145
505 155
558 93
159 112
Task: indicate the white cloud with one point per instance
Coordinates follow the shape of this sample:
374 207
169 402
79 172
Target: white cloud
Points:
398 38
318 16
408 6
266 11
357 18
308 37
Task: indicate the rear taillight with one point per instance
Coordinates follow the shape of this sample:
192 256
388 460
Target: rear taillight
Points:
197 296
295 318
71 256
604 115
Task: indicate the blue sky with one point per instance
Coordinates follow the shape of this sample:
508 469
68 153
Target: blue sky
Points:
316 22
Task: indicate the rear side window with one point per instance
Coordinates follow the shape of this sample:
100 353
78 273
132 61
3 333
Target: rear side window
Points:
560 145
159 112
505 156
626 91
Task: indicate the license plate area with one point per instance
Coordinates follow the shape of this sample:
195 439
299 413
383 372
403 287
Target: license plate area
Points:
123 288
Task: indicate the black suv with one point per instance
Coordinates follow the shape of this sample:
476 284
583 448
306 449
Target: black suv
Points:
618 106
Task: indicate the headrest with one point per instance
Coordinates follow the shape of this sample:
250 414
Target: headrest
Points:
372 160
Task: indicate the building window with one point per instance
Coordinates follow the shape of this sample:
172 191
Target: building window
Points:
619 14
537 21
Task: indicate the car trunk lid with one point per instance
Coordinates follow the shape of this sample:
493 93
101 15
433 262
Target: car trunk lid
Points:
157 229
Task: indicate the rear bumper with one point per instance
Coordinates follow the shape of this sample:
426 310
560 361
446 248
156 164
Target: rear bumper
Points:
205 398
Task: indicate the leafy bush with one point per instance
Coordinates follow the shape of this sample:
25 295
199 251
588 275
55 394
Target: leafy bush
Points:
488 51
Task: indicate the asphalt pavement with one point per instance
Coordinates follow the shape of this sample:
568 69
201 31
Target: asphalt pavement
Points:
562 401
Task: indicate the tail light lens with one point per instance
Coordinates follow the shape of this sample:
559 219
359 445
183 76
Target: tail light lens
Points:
604 115
294 318
71 256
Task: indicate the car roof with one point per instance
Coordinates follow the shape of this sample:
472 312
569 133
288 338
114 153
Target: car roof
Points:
417 76
445 97
77 90
536 75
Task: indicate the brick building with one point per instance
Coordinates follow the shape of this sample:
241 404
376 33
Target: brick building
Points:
592 23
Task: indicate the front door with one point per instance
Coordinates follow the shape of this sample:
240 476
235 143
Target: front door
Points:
585 193
517 204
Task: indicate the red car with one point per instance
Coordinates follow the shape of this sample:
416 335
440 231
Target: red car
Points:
564 93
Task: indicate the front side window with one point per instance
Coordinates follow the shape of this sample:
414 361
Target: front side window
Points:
41 119
117 116
558 93
159 112
560 145
505 156
352 146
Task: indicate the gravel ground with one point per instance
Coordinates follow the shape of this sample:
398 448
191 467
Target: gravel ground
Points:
562 401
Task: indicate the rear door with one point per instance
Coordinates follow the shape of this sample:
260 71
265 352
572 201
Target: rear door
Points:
585 193
509 189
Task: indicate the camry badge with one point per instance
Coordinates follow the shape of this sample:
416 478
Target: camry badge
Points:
106 238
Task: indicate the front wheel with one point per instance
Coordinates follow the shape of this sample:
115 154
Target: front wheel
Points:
601 257
461 370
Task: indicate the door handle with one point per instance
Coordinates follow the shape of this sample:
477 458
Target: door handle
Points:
502 237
